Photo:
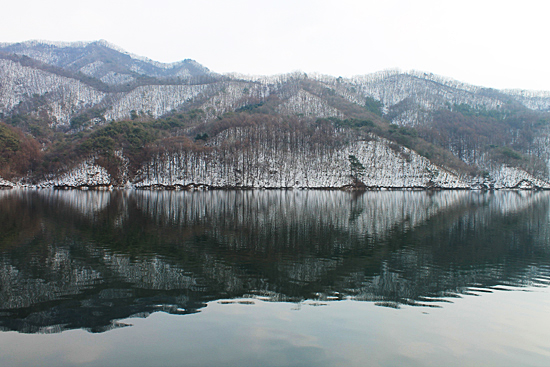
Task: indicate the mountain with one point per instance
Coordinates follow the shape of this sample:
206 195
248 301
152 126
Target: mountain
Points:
103 61
90 114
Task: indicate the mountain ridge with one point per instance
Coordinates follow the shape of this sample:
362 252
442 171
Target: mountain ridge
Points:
102 60
71 92
83 44
445 80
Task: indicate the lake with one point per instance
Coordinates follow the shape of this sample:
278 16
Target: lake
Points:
274 278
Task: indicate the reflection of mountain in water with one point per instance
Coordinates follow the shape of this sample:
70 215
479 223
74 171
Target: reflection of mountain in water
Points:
85 259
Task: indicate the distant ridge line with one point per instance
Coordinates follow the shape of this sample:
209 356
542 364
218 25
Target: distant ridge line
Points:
367 77
101 42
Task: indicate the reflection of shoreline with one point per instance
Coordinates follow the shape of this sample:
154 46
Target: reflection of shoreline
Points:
95 258
162 202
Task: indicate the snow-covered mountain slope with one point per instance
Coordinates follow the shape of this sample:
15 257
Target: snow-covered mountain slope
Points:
59 83
63 96
407 98
85 175
155 100
274 163
102 60
534 100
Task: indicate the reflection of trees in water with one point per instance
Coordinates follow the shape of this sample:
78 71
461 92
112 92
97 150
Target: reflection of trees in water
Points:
83 259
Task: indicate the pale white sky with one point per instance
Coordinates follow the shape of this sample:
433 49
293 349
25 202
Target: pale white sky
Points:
498 44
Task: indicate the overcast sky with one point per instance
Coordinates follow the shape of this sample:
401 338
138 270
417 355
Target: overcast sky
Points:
498 44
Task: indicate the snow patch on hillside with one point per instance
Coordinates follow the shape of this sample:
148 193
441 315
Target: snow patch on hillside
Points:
86 174
91 68
304 103
113 78
534 100
411 92
19 83
155 100
271 167
276 165
5 184
513 177
233 95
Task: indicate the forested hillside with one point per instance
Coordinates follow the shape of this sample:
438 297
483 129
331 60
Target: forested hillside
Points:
92 115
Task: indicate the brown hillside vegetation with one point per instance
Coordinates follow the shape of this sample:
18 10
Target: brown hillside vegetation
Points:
19 153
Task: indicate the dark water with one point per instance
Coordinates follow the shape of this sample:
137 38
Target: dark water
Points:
274 278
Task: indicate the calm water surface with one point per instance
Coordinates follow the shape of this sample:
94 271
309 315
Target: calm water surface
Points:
274 278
